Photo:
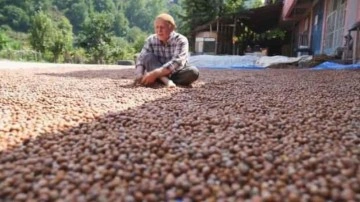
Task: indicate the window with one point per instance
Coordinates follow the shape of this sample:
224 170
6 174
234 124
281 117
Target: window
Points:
335 22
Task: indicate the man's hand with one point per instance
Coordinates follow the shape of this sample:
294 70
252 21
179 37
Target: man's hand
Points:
149 78
137 80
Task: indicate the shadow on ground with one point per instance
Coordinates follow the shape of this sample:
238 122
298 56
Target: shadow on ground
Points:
98 74
206 75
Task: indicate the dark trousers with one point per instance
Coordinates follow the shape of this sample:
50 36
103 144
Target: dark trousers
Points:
184 76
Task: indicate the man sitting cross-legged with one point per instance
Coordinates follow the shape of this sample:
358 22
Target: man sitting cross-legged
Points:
165 56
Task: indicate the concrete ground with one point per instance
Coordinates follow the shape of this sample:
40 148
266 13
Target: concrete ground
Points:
85 133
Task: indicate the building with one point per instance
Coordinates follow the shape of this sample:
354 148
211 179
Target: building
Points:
315 27
220 35
324 27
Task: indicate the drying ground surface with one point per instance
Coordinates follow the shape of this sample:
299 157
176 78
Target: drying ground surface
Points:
87 134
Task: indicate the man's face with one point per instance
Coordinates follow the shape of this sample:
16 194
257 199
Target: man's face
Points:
162 29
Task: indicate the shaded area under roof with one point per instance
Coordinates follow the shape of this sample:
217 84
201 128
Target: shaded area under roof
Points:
263 18
258 20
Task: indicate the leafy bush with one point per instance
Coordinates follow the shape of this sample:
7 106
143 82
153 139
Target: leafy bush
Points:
121 50
16 40
4 40
77 56
42 30
51 37
12 49
21 55
96 37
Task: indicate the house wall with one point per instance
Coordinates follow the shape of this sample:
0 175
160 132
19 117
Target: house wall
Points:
352 14
358 13
207 35
205 42
326 2
357 38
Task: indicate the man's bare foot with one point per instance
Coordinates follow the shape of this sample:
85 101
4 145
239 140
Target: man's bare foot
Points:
170 84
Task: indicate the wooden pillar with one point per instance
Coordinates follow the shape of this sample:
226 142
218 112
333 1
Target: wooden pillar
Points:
217 37
220 39
356 45
226 39
233 36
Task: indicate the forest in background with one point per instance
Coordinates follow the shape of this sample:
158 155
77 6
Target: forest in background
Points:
95 31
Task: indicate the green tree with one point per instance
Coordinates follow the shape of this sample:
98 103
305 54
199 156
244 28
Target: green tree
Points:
176 10
104 6
64 4
120 4
141 13
39 19
120 50
97 35
234 6
136 37
41 32
155 7
137 14
62 39
41 5
121 24
4 40
201 11
77 13
15 17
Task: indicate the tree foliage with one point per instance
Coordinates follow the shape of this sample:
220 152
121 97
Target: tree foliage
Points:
51 36
121 25
256 3
77 13
97 35
15 17
128 13
105 29
4 40
62 38
136 37
51 24
41 32
104 6
233 6
202 11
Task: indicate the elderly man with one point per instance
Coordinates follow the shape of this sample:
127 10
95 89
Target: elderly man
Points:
165 56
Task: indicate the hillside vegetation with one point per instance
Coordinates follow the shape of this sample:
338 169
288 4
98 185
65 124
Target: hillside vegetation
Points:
94 31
